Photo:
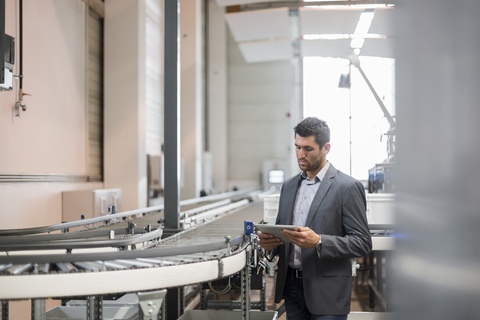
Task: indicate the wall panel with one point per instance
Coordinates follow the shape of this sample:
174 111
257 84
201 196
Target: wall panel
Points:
259 98
49 137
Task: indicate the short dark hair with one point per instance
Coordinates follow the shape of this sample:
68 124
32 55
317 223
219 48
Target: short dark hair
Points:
313 126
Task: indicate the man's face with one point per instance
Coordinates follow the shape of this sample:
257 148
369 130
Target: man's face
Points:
310 157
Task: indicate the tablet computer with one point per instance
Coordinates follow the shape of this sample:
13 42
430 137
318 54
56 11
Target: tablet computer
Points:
275 229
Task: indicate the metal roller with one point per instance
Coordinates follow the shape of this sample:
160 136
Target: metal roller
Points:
90 266
42 268
115 265
18 269
171 260
137 263
66 267
4 267
152 260
161 262
179 260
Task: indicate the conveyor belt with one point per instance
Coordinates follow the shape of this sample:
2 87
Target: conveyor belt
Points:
121 216
89 234
206 252
48 244
210 250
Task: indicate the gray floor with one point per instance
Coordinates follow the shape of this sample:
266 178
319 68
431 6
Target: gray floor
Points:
360 297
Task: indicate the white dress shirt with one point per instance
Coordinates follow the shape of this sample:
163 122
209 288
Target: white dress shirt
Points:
305 194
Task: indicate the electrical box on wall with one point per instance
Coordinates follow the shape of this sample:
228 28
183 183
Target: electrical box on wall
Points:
9 61
155 172
86 204
273 174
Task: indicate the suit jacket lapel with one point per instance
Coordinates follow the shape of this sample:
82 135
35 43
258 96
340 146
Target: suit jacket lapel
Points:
291 192
321 192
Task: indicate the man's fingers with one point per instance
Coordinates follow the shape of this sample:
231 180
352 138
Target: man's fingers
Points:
302 237
270 243
262 235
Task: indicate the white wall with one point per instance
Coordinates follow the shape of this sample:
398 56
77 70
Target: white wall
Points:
259 97
27 205
50 137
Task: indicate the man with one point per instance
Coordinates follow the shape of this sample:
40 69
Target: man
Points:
314 268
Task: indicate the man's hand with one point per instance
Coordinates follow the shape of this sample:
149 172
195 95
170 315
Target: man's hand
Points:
304 237
268 241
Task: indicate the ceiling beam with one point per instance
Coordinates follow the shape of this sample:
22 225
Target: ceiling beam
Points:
299 4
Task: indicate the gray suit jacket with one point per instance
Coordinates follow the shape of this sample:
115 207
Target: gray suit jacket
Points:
338 214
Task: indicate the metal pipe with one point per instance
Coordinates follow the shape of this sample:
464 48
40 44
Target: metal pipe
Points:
192 212
218 196
217 211
356 62
2 37
380 102
20 46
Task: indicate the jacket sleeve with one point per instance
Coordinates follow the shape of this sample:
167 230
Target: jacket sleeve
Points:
356 240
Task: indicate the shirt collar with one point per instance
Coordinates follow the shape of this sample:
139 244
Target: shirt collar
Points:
321 174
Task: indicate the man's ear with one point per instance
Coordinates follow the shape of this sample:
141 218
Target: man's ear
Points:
326 148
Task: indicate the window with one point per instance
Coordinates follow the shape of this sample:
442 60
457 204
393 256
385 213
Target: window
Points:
357 124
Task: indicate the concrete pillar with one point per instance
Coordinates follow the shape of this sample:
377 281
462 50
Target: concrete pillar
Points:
191 97
124 131
296 104
172 114
217 95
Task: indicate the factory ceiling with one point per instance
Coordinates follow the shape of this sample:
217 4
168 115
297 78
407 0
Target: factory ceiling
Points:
281 30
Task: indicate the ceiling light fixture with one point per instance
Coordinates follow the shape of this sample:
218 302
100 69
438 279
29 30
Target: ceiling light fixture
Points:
361 31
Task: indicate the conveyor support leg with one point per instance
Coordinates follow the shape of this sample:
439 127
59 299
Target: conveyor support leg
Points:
94 308
263 293
203 299
39 311
4 310
150 304
245 291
